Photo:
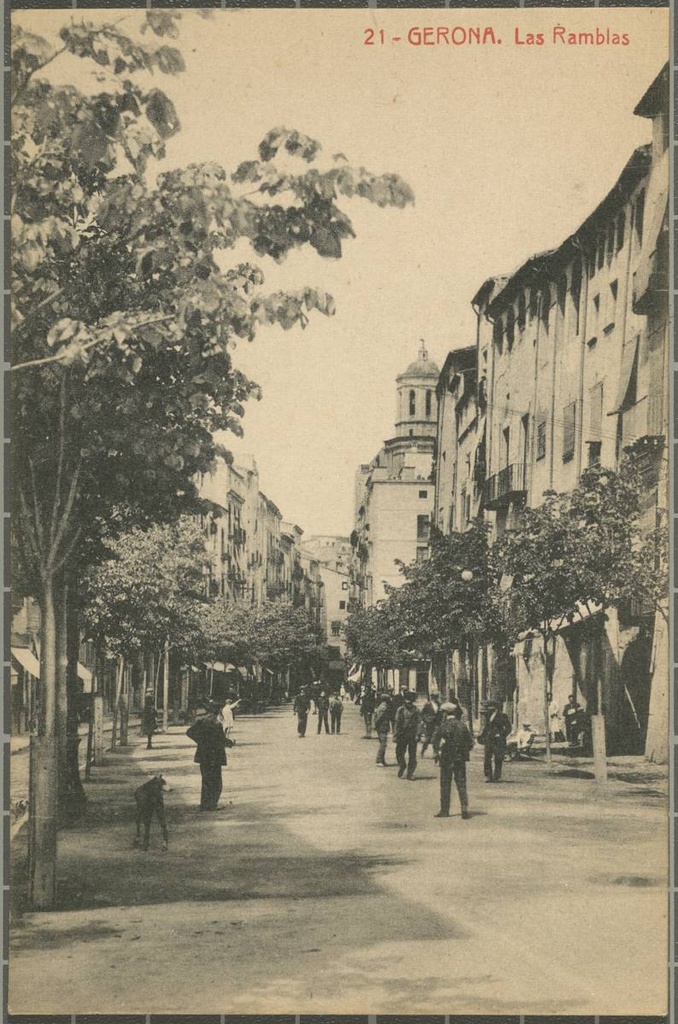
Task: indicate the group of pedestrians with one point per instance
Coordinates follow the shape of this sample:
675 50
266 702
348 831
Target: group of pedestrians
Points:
316 701
441 726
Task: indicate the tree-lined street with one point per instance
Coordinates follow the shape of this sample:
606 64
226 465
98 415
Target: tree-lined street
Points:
326 883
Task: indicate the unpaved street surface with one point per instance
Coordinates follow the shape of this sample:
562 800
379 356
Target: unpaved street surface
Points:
325 884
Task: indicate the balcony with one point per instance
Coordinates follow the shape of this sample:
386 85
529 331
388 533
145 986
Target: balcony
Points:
505 486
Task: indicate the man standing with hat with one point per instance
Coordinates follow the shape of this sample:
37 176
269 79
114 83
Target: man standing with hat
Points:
452 743
301 708
406 735
493 735
208 735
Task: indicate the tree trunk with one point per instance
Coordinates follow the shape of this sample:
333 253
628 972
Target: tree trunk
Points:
74 794
98 710
61 726
598 720
43 786
116 702
656 742
124 707
547 702
165 690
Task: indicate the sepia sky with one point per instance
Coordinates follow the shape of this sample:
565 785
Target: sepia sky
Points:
506 147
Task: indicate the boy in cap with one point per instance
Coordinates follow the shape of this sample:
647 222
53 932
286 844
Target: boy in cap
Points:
452 743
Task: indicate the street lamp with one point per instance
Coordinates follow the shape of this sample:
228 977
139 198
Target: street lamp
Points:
467 575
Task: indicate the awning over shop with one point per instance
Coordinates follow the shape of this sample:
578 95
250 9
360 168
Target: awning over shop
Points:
27 660
526 641
219 666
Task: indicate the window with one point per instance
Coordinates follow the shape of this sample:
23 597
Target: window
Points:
595 432
595 317
422 527
541 440
510 328
640 216
424 494
612 305
522 312
506 446
498 334
575 289
336 628
421 554
621 226
342 606
428 404
546 307
594 453
534 303
525 431
344 585
600 256
562 294
609 245
412 403
569 423
591 263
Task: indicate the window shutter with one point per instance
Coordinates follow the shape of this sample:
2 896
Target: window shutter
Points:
569 421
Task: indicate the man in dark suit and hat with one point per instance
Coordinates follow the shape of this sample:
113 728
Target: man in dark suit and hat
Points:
406 735
208 735
493 735
452 743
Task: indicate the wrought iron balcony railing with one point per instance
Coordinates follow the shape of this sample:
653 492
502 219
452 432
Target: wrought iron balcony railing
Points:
506 485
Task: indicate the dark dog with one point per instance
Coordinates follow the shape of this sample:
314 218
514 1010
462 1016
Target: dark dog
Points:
150 800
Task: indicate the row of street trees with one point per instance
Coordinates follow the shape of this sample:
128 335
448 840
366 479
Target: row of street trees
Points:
571 559
124 313
147 602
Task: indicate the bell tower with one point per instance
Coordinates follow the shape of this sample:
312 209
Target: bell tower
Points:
417 404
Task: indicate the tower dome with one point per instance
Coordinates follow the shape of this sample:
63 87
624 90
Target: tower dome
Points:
417 404
422 365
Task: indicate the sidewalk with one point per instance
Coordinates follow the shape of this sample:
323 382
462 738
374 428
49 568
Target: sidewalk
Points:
320 866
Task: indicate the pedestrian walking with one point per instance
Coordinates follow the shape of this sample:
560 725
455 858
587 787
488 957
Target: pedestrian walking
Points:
301 708
382 723
322 707
316 688
208 735
226 716
493 735
149 718
430 718
406 735
368 703
452 743
336 711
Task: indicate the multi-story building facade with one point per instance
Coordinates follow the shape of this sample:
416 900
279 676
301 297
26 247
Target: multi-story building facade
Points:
571 370
394 492
394 501
333 556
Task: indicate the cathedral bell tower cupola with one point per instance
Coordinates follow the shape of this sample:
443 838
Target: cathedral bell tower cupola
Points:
417 408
